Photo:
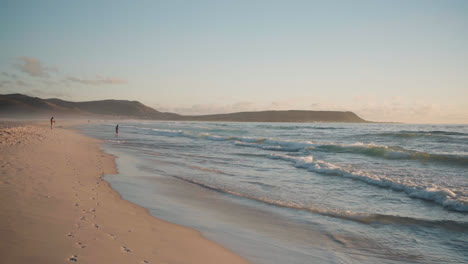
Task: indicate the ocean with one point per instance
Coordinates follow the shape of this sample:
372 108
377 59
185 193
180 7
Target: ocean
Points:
302 192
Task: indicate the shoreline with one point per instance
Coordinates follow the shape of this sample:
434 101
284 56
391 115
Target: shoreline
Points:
49 218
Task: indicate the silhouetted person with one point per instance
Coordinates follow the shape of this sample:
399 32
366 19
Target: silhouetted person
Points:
52 122
117 130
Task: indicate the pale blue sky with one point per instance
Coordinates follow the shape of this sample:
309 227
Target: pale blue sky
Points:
385 60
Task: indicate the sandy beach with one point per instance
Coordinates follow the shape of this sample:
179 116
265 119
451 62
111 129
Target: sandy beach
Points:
55 208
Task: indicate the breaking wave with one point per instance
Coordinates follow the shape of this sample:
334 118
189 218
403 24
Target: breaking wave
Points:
372 150
393 152
363 218
440 195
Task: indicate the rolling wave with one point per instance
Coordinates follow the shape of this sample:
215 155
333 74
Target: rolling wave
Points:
363 218
393 152
440 195
410 134
372 150
292 127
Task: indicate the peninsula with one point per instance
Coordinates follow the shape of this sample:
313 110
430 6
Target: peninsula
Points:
20 106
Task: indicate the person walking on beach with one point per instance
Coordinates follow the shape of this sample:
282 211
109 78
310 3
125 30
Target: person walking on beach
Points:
117 130
52 121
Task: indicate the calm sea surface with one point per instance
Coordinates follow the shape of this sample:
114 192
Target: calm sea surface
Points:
302 193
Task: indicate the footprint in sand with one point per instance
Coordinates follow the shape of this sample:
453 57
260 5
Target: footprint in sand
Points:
125 249
114 237
80 245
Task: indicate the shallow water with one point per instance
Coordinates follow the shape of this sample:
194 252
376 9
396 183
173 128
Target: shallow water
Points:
302 193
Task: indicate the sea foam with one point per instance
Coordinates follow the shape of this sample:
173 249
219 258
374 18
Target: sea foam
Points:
440 195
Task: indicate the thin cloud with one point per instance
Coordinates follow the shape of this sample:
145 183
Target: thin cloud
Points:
207 109
294 103
99 80
401 109
21 83
243 106
48 93
51 82
33 67
10 75
4 83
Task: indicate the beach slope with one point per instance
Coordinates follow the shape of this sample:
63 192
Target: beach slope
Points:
55 208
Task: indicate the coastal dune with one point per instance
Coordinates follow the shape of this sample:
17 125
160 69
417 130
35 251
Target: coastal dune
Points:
55 208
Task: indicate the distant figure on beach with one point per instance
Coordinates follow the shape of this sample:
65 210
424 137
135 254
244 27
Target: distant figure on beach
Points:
52 122
117 130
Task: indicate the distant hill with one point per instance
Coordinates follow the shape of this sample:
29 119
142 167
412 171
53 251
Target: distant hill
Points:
296 116
19 105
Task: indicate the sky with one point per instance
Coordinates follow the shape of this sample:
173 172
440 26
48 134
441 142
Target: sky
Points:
401 61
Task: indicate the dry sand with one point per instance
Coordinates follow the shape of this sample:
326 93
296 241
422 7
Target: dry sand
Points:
54 207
